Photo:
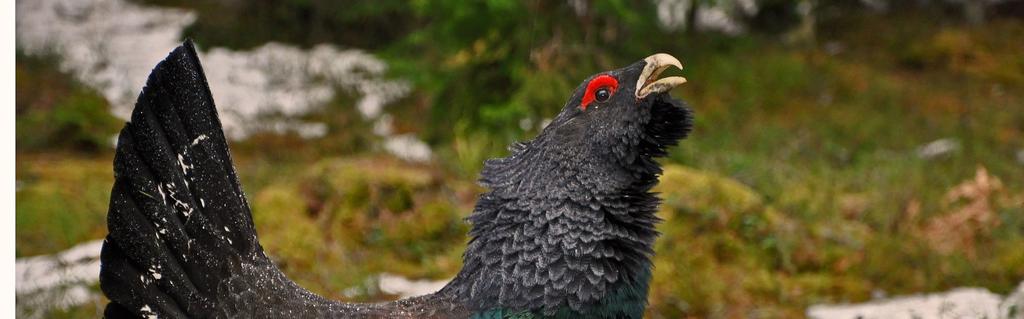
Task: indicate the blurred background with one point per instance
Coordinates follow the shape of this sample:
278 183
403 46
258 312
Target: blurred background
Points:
844 151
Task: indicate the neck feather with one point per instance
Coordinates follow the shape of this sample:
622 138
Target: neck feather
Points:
559 237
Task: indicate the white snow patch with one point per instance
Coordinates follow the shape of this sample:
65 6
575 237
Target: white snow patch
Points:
958 303
77 264
57 281
112 45
408 147
398 285
1013 306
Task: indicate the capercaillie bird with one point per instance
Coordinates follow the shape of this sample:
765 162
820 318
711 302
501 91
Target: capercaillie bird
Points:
565 230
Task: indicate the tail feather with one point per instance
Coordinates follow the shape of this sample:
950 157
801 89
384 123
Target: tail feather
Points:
177 211
143 243
181 112
133 289
181 240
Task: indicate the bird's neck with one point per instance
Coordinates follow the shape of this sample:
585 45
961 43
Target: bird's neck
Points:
547 241
568 232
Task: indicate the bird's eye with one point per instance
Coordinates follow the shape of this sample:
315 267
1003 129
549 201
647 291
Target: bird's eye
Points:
599 89
602 94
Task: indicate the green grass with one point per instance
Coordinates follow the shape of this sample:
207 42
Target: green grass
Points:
61 201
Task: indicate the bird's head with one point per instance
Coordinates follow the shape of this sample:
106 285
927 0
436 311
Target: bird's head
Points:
636 85
606 135
613 110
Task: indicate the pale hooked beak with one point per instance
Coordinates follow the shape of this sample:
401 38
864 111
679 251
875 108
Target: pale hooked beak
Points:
649 82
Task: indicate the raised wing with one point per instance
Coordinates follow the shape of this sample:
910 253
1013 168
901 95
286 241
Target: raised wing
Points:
181 240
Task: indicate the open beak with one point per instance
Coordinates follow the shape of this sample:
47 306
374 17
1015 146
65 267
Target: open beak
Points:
649 82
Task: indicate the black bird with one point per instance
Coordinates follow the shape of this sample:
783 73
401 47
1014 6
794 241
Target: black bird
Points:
565 231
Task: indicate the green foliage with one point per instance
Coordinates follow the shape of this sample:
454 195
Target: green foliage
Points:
500 64
53 111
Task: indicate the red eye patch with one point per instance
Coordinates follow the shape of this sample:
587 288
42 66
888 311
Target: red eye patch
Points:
601 81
